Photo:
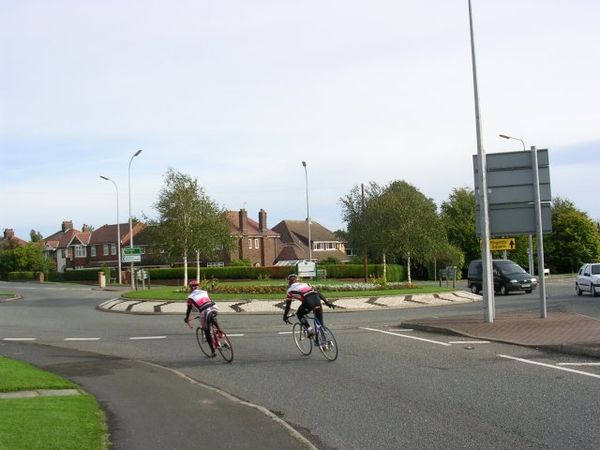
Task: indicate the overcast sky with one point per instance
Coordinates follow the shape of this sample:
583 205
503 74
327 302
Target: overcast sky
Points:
239 93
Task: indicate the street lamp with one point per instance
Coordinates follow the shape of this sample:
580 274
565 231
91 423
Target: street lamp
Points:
118 225
515 138
130 224
530 237
307 212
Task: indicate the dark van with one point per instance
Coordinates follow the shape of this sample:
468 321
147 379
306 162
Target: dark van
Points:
508 277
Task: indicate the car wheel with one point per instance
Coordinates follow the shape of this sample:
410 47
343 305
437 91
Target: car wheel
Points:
593 290
528 291
578 289
474 289
503 290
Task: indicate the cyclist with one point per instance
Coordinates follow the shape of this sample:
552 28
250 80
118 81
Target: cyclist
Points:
201 302
310 301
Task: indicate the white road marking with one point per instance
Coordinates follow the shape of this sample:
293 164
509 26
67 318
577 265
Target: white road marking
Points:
550 366
82 339
285 332
19 339
400 329
469 342
235 335
405 336
141 338
579 364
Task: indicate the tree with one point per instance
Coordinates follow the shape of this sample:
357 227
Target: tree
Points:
458 216
189 221
574 239
35 236
395 221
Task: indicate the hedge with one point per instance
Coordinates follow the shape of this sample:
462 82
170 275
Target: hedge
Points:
12 276
395 273
86 274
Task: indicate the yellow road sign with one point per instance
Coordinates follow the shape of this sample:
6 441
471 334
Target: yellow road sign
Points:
502 244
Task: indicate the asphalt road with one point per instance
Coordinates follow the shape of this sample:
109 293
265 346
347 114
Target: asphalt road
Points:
390 388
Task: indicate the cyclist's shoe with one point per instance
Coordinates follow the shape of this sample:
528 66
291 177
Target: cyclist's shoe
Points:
310 332
213 354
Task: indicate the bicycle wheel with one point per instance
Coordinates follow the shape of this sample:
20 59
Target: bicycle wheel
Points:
302 341
201 338
223 345
327 344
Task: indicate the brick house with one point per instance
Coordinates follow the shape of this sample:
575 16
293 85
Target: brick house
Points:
69 246
254 240
10 241
294 242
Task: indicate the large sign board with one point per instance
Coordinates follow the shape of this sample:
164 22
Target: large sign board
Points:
131 254
511 197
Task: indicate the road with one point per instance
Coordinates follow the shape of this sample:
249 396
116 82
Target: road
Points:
390 387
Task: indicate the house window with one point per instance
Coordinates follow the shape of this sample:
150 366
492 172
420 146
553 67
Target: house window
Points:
63 253
93 251
250 243
105 250
80 251
256 243
113 249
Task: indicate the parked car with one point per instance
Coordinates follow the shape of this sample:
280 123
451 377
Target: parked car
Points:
508 277
588 279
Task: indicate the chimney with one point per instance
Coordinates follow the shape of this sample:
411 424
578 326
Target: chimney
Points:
85 228
262 221
243 215
67 225
9 233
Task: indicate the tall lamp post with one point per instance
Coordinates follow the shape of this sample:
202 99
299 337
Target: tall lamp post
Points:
130 222
118 225
530 237
307 212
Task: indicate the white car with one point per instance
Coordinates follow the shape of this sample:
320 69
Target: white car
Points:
588 279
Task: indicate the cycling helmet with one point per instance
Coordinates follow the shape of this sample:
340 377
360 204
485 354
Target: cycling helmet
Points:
292 277
193 284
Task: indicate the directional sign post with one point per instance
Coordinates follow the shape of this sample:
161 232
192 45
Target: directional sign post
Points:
502 244
132 254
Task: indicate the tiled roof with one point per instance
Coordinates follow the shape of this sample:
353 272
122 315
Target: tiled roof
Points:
108 233
294 230
253 227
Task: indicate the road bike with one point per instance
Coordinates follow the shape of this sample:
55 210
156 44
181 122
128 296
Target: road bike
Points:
220 340
323 339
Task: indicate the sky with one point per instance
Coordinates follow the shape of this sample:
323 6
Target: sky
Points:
238 93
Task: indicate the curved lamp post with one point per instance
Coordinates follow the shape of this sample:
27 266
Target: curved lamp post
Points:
118 225
130 222
307 212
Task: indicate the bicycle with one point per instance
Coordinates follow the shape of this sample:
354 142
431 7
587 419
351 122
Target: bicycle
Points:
323 339
220 340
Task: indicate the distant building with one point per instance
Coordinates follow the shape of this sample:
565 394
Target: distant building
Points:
10 241
254 240
294 242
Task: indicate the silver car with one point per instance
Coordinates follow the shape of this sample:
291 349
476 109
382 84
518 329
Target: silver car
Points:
588 279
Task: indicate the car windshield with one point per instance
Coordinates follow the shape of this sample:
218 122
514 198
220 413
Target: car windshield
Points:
509 267
596 269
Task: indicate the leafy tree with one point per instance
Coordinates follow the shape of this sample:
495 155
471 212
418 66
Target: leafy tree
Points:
395 221
28 258
189 222
574 239
458 216
35 236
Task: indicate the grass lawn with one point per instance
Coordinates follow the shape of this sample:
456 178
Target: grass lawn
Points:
69 422
173 293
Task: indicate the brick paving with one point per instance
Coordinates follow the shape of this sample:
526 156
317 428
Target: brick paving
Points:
559 331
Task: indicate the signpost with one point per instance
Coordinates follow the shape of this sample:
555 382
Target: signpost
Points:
132 254
502 244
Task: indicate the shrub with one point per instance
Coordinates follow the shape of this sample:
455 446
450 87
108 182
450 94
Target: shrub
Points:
13 276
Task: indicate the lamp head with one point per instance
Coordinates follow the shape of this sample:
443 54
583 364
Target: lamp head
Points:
137 153
104 178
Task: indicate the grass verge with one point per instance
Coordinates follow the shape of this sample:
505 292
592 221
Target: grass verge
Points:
69 422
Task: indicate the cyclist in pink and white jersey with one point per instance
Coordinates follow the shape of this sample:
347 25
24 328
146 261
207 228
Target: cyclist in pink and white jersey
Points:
201 302
310 301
